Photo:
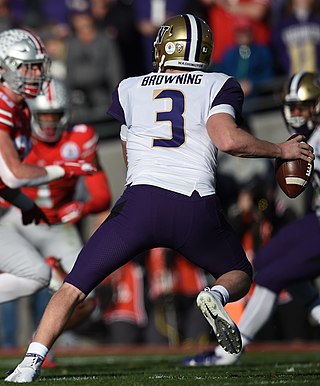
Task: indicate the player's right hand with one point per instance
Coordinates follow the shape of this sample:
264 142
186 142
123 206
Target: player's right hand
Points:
77 168
35 214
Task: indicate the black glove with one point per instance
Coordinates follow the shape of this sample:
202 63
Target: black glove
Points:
35 214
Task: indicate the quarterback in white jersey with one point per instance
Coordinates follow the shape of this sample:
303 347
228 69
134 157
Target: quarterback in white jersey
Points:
168 144
177 118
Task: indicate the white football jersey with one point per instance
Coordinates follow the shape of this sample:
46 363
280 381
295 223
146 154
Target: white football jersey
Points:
165 115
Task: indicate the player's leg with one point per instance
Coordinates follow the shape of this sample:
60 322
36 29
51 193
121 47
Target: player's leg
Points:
23 270
55 317
213 245
282 261
123 235
61 257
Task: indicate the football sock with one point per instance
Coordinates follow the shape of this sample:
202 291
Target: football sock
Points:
222 292
37 348
257 312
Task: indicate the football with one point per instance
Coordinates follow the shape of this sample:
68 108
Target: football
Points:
293 176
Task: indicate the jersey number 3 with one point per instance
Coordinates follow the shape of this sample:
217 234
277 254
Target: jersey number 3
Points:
174 116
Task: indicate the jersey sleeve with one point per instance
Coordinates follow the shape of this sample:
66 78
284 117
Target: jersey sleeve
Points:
116 110
229 99
6 119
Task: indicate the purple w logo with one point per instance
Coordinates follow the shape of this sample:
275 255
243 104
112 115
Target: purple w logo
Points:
163 29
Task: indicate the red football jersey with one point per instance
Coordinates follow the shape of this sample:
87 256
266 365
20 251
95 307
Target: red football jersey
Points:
15 120
77 143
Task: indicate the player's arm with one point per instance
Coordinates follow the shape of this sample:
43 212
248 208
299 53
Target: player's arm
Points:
16 174
230 138
30 211
99 200
123 138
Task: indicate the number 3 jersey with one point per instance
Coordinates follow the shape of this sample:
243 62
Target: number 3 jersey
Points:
164 118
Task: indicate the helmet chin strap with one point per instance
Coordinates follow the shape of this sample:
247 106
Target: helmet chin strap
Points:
161 63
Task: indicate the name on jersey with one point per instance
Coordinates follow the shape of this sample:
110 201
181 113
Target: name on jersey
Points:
160 79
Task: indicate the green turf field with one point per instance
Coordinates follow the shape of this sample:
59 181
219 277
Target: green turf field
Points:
268 368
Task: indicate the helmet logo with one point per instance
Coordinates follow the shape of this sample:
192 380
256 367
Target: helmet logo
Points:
179 47
163 29
170 48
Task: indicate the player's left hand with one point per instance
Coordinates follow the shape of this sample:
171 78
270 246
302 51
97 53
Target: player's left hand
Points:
34 215
71 212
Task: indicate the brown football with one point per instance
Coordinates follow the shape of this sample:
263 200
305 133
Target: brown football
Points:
293 176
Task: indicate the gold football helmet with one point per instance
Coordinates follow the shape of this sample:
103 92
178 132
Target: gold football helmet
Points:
184 41
301 104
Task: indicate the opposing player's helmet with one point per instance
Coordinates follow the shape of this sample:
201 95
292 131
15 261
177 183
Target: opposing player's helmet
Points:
184 41
55 102
20 51
303 90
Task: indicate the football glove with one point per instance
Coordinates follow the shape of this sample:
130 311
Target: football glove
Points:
71 212
35 214
77 169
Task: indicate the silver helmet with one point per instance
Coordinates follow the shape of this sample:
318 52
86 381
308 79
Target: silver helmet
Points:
55 101
184 41
20 51
302 90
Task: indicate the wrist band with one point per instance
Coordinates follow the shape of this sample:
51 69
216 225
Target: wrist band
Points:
22 201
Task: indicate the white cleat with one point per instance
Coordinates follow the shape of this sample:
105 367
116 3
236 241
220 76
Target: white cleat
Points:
27 371
226 331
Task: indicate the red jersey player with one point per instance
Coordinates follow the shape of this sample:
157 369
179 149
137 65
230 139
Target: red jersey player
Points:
54 143
24 67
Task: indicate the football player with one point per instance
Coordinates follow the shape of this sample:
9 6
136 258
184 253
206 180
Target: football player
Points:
53 140
24 66
290 260
174 121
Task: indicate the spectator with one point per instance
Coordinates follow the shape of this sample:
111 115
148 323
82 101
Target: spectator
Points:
296 37
222 13
149 15
5 16
35 13
54 38
94 68
117 18
249 62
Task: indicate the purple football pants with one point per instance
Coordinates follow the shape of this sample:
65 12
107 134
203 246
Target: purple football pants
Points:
292 255
146 217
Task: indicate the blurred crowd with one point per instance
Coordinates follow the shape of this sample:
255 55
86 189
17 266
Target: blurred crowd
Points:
93 45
